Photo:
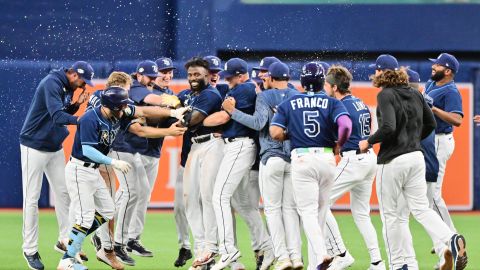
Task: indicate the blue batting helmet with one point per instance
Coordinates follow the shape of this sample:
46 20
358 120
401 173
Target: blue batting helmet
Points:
312 77
115 98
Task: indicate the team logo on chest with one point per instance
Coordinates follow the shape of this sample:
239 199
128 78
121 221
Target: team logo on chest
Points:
107 136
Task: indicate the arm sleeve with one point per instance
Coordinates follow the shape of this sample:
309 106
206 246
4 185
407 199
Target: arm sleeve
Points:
388 125
280 117
344 124
338 109
429 123
55 107
453 102
72 108
259 118
95 155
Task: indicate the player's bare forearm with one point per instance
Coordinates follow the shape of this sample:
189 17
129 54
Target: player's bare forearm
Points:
152 132
278 133
449 117
151 112
216 119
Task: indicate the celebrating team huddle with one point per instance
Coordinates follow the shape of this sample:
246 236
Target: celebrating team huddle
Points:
245 139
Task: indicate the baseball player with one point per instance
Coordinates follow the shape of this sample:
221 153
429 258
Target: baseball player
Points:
143 153
41 150
311 121
405 119
203 161
275 180
354 173
447 109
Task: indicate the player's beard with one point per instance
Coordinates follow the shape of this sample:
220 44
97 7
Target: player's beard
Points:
201 84
438 76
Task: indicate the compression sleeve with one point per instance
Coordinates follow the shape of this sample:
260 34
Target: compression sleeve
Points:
344 128
95 155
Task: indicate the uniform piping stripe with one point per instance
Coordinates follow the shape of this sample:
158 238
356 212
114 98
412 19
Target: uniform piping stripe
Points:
348 160
126 206
334 240
79 197
25 197
221 192
383 216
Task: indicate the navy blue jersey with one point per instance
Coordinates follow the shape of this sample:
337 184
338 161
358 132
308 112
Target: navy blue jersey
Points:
361 122
94 100
310 119
245 97
430 155
94 130
447 98
52 96
222 89
205 102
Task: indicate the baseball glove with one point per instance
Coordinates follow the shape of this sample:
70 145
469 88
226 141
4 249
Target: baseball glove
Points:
170 101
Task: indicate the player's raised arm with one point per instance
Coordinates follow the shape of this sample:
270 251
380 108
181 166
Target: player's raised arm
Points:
152 132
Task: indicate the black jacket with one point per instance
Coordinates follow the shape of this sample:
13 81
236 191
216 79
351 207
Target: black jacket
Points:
404 119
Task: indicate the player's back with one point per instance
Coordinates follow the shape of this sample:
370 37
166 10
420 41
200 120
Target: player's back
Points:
311 119
361 122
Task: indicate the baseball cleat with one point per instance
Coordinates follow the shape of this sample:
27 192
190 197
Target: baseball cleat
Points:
96 242
284 264
404 267
378 266
34 261
183 256
109 258
123 256
70 264
325 264
432 251
226 260
135 246
60 247
342 262
268 258
459 253
297 264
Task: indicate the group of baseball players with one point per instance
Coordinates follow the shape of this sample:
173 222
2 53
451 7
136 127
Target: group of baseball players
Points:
253 136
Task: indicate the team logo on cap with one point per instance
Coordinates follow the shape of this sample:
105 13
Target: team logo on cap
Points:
166 62
141 70
155 69
254 73
91 77
215 62
261 62
226 66
81 71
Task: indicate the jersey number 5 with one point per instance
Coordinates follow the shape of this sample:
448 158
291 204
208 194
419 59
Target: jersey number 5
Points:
312 126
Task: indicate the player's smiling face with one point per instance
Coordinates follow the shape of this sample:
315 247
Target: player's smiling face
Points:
197 78
164 78
214 77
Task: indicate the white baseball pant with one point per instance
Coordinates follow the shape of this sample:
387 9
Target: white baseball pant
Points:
128 193
104 232
34 164
444 146
150 170
312 181
404 229
280 209
238 158
181 222
88 193
245 201
354 173
198 179
405 175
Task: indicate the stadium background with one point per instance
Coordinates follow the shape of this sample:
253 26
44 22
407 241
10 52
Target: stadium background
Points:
115 35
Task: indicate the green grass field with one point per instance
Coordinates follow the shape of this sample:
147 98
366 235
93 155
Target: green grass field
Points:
160 236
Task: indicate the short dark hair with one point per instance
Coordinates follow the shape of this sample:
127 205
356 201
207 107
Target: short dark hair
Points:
341 77
197 62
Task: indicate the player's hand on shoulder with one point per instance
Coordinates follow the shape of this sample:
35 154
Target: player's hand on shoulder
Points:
121 165
176 129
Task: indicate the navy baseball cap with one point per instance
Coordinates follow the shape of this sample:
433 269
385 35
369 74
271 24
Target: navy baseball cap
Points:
255 76
266 62
214 63
413 76
234 66
84 71
164 63
278 70
385 61
148 68
447 60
